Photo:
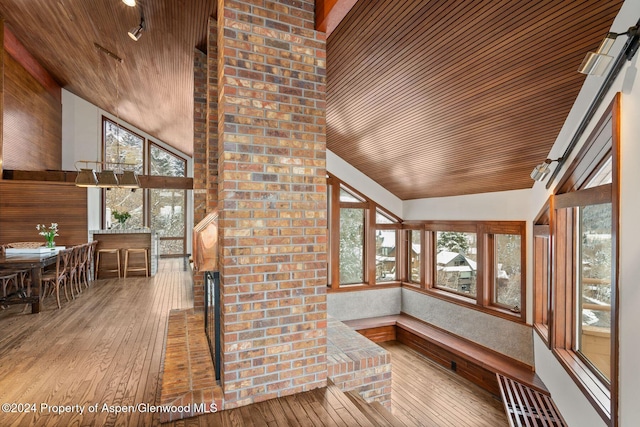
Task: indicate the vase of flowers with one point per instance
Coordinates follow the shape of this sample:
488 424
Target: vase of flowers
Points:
49 233
121 217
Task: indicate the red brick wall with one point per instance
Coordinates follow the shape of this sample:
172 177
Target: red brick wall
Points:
212 116
199 135
272 192
205 169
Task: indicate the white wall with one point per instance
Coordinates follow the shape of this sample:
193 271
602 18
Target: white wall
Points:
356 179
82 140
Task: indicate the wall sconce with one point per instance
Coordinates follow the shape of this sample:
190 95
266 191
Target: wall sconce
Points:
595 63
541 171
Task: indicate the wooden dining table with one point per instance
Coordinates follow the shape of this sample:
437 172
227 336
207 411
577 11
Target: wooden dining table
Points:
36 263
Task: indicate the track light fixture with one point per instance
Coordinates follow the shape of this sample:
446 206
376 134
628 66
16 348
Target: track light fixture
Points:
541 171
595 63
136 32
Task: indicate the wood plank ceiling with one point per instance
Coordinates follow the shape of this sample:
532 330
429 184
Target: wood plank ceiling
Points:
451 97
155 80
428 98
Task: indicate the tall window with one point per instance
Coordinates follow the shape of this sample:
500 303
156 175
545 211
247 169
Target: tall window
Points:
123 146
363 243
414 249
164 210
542 273
507 280
594 256
584 227
351 224
168 206
386 231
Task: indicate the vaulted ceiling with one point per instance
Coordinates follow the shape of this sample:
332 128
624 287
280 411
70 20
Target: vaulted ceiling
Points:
428 98
449 97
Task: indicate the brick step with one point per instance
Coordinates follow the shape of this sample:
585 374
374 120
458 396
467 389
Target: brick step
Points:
188 378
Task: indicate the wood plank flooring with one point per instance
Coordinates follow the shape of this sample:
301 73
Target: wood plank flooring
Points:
105 347
426 394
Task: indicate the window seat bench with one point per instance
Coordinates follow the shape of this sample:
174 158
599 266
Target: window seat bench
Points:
468 359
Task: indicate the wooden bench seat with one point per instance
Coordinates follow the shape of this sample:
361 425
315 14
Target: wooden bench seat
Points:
470 360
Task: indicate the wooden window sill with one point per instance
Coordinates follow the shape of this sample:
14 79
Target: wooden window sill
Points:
591 386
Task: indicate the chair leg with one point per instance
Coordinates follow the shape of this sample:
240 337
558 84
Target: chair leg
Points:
58 294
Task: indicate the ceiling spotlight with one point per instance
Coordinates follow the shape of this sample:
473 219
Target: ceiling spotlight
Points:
595 63
541 171
131 3
136 32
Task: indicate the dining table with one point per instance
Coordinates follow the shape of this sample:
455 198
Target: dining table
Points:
35 262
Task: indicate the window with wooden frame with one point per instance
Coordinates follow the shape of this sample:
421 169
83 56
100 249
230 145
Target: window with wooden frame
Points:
364 243
386 231
542 272
585 233
163 209
414 237
167 206
480 264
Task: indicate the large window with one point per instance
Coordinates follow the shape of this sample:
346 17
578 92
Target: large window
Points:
475 263
162 209
542 273
594 262
168 206
479 264
123 146
363 244
352 259
580 249
507 266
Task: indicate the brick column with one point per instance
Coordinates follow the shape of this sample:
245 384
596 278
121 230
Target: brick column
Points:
272 192
199 135
205 140
212 116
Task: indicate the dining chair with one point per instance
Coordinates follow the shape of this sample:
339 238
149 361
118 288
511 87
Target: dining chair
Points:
18 276
83 265
90 267
74 270
59 277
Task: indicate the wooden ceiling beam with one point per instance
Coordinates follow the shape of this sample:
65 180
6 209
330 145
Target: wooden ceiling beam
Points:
329 13
146 181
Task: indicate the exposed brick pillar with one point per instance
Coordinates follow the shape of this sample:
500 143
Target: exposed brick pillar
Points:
199 135
272 192
212 116
205 169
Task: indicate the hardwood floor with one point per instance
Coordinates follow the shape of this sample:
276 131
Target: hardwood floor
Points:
105 347
426 394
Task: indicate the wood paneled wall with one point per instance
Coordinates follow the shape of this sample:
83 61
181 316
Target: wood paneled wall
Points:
24 204
32 112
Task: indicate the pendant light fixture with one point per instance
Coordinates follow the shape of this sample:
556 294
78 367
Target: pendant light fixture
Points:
108 174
